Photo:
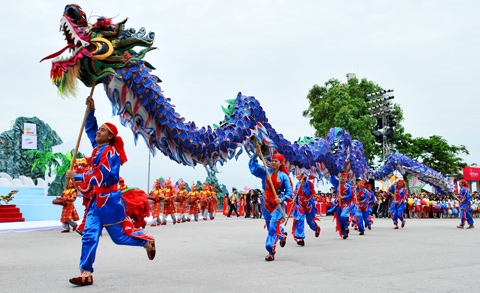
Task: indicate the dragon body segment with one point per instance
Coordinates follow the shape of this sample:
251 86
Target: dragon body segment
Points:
104 53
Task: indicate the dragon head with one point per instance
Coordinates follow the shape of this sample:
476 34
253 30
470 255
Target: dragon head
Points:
94 51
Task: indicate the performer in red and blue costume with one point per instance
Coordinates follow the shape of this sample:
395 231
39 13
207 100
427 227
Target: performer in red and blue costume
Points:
270 204
305 209
397 208
372 200
464 199
362 211
342 203
107 207
371 203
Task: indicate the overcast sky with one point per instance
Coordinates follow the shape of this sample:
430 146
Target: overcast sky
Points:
427 51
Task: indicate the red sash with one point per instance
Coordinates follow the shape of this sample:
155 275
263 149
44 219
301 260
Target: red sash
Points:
99 190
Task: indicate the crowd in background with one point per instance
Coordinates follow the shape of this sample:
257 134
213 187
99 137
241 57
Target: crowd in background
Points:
245 204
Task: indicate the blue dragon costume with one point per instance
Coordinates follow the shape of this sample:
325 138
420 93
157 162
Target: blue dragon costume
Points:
104 53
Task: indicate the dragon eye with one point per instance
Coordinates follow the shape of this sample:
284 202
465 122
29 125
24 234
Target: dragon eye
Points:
72 12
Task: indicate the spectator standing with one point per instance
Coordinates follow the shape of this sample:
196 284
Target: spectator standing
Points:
232 203
255 203
248 203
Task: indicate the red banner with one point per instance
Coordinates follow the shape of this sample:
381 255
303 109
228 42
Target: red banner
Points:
471 173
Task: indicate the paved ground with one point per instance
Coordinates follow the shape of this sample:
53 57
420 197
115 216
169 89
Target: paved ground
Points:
428 255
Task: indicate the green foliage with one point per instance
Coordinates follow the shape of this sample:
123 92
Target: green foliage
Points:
45 160
434 152
344 105
337 104
52 163
199 185
66 161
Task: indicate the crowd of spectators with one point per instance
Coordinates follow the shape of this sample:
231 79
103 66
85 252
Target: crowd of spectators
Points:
246 203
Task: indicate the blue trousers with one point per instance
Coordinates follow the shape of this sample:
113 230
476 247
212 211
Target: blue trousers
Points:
342 216
274 227
299 222
397 213
108 216
362 217
465 215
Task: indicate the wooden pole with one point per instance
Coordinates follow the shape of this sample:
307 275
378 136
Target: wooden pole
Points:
74 157
456 197
294 201
269 178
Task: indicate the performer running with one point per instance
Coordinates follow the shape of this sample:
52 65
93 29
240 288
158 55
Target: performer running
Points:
106 208
304 209
397 208
271 205
372 204
464 198
341 205
362 198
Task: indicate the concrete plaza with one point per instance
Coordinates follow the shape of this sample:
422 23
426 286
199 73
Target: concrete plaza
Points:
227 254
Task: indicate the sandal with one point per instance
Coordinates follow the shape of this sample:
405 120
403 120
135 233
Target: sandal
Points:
270 257
150 247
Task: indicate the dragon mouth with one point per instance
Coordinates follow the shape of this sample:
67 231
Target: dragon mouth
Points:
75 42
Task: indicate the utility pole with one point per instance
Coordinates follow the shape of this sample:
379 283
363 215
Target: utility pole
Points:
148 175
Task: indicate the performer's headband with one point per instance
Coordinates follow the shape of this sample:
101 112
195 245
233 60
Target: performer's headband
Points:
279 157
112 128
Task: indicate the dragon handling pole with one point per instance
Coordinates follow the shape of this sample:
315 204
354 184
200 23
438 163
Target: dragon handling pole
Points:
74 156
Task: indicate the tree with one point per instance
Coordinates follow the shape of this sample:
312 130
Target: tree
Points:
434 152
52 163
49 163
345 105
